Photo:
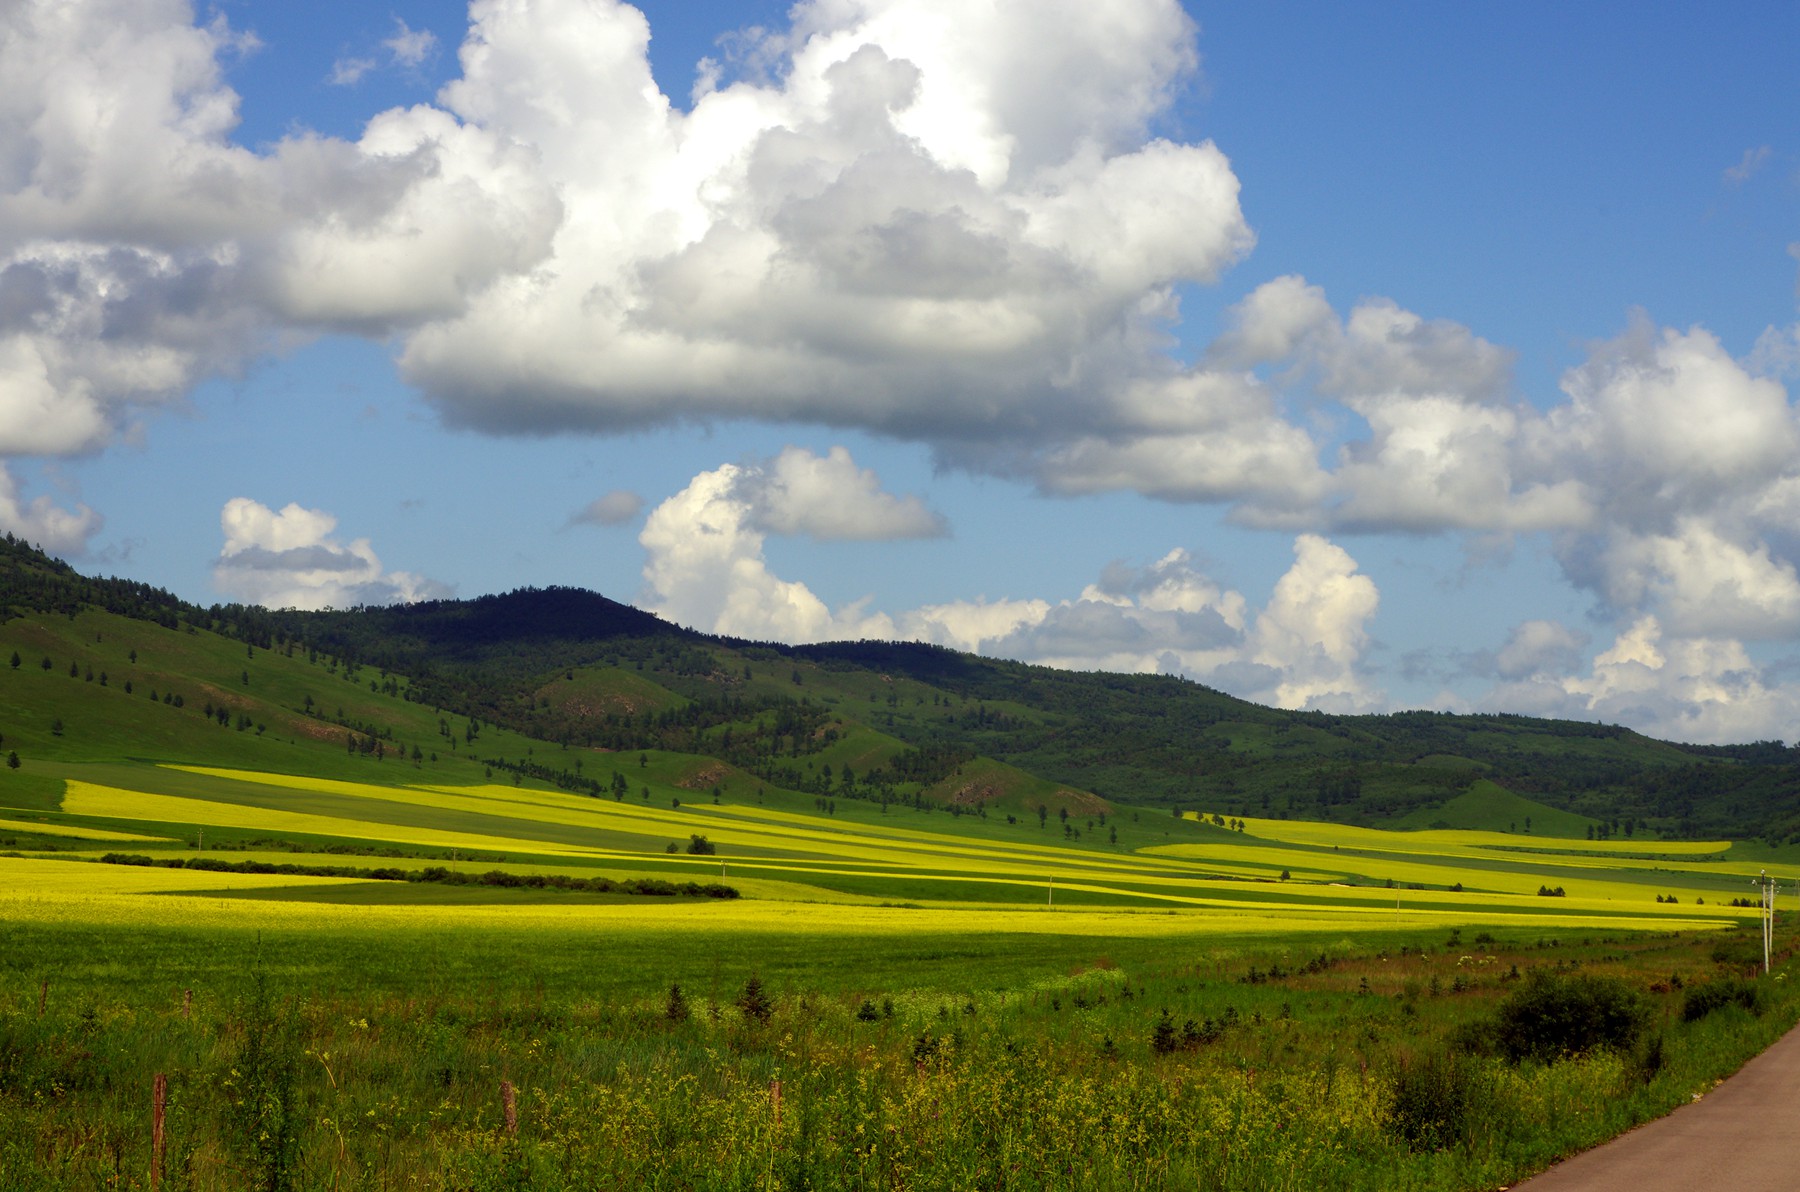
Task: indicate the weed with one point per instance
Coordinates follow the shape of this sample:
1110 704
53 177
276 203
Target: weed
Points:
264 1110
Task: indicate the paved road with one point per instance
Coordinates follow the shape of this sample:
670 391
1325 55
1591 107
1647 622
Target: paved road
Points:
1744 1136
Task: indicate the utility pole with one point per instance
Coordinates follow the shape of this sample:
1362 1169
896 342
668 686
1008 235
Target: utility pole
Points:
1768 914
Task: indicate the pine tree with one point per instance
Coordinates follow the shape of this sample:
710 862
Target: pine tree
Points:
677 1008
755 1001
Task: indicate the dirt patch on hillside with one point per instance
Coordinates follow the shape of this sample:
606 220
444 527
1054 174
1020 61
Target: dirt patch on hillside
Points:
973 794
705 777
1082 803
593 707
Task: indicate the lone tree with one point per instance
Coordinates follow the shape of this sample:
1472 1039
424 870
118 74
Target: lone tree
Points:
12 759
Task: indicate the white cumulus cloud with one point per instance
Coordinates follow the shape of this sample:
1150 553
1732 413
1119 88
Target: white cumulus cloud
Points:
705 567
290 559
1682 688
704 545
43 523
829 497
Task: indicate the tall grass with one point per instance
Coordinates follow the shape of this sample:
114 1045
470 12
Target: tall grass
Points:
1344 1072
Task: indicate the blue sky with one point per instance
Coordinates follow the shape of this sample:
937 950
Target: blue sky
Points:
1346 356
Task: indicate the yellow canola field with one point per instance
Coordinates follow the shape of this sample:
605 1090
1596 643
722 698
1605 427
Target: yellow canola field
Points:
1463 841
1337 870
63 892
965 863
109 802
839 850
739 826
1652 856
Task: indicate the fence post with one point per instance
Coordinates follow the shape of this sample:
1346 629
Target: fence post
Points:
159 1102
43 995
509 1107
775 1100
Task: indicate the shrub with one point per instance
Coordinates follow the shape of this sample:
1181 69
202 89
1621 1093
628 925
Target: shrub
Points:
1702 1000
1435 1101
1552 1016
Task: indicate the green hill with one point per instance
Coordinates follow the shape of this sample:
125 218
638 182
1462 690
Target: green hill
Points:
1489 807
535 683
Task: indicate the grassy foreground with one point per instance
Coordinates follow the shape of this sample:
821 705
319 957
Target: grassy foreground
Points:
634 1058
900 998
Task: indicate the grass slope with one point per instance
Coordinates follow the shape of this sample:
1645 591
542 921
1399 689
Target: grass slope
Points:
1490 807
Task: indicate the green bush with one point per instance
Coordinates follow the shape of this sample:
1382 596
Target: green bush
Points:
1702 1000
1552 1016
1435 1101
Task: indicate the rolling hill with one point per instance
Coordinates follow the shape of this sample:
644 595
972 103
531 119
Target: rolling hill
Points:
544 684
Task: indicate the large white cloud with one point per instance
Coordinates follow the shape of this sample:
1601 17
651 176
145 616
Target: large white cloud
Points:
705 567
290 559
1694 688
141 250
935 221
